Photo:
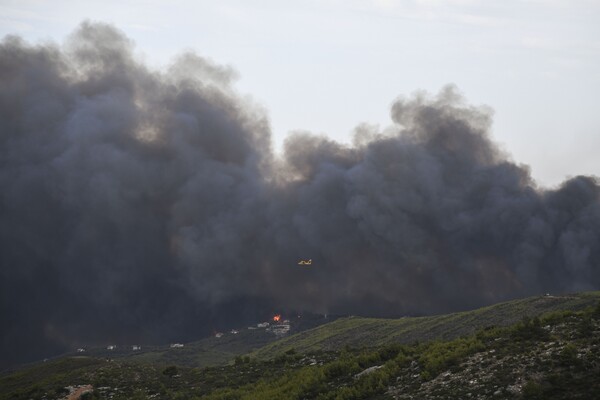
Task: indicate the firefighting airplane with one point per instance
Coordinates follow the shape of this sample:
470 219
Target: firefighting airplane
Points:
303 262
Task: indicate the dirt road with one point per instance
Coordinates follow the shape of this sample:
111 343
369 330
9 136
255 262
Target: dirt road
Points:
78 392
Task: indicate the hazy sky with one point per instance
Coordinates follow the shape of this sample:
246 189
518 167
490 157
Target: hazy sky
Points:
326 65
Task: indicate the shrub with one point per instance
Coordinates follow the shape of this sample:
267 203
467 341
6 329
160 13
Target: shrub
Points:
341 368
532 391
390 352
585 328
170 371
442 355
596 312
291 352
529 329
568 355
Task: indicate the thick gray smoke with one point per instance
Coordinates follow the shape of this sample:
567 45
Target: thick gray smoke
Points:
148 206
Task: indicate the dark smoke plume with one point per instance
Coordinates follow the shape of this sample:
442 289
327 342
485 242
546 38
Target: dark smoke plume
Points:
147 206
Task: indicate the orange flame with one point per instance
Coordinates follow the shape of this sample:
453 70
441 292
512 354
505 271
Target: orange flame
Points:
277 317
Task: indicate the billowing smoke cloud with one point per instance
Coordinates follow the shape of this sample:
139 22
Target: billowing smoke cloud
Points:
148 206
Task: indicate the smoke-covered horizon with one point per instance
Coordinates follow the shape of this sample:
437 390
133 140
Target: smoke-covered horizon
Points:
149 206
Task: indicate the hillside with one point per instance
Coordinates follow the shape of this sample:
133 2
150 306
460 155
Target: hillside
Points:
360 332
205 352
350 331
209 351
555 355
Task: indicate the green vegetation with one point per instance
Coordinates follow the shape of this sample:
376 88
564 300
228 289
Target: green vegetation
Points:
439 356
555 355
171 371
362 332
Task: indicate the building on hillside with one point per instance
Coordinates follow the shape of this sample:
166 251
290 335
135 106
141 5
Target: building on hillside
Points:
280 329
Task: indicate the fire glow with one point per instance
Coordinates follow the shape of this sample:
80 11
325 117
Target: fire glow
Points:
276 318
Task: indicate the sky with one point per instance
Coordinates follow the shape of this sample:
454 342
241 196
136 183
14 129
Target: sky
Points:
327 66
